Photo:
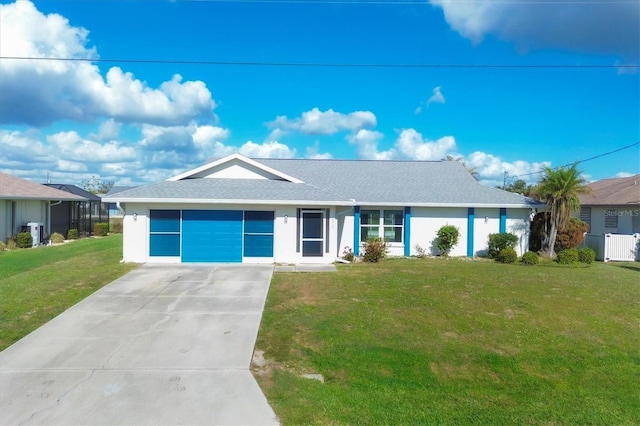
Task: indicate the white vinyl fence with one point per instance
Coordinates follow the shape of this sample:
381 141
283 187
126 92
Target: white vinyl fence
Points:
613 247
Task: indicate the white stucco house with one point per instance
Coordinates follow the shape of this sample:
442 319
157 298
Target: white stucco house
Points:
612 206
237 209
23 202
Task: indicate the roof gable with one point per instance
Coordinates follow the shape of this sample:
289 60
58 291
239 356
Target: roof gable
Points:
15 188
235 166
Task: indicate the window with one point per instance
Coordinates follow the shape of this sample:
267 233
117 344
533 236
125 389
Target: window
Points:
164 238
258 233
610 218
585 215
386 224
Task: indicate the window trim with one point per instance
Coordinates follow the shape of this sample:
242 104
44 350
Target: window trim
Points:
381 226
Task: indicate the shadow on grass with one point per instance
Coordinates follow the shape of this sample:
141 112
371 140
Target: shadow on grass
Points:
630 267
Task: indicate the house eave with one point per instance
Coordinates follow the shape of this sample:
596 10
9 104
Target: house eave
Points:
228 201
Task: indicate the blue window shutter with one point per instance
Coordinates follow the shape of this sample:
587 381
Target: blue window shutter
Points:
470 219
503 220
356 231
407 231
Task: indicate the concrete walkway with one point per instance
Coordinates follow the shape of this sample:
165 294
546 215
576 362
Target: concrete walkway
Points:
163 345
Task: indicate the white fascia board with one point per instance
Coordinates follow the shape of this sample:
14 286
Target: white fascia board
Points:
465 205
225 201
231 158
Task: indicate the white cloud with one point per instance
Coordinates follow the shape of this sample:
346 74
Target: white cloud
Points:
437 96
410 145
314 153
76 90
316 122
491 168
271 149
74 148
624 174
574 26
366 142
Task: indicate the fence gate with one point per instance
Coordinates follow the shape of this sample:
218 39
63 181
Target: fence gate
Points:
614 247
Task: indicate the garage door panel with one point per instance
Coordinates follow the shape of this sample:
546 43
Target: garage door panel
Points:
212 236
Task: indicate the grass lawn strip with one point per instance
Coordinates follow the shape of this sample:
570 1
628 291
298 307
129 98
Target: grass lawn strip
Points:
38 284
454 342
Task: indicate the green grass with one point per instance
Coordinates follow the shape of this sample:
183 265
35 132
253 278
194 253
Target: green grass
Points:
454 342
39 283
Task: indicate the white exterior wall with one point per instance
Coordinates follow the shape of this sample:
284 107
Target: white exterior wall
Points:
518 223
344 219
136 233
487 221
425 222
628 219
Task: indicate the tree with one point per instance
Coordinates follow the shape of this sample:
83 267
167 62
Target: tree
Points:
96 185
520 187
559 189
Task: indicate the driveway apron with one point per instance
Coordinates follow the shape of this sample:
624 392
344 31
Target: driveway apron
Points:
162 345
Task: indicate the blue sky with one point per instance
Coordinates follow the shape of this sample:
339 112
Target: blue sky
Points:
504 85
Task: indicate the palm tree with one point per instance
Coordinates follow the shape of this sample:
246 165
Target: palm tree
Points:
559 189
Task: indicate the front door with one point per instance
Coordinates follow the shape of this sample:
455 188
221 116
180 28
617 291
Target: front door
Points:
312 233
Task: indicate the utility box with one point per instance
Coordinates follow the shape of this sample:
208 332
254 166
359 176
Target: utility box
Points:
37 232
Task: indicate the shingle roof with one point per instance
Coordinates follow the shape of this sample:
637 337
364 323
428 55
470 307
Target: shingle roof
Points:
618 191
14 188
341 182
398 182
229 190
74 190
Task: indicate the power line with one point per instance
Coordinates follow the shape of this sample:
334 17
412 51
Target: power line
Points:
581 161
398 2
322 64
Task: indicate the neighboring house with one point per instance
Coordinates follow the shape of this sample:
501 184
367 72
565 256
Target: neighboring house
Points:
237 209
114 211
612 206
23 202
80 215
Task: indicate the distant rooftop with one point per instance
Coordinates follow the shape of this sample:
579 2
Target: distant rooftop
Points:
616 191
15 188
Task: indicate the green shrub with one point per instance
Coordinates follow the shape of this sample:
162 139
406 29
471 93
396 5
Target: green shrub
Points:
11 244
72 234
447 238
100 229
56 238
568 256
115 225
500 241
530 258
586 255
507 255
24 240
375 250
3 246
347 254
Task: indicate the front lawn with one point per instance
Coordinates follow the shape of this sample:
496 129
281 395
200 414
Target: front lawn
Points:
39 283
454 342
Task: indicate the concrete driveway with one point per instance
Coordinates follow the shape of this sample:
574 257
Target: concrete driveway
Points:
163 345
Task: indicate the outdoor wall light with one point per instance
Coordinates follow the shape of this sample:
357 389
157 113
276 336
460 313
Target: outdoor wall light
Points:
486 219
286 218
135 217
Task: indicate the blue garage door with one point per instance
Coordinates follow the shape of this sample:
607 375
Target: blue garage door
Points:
212 235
